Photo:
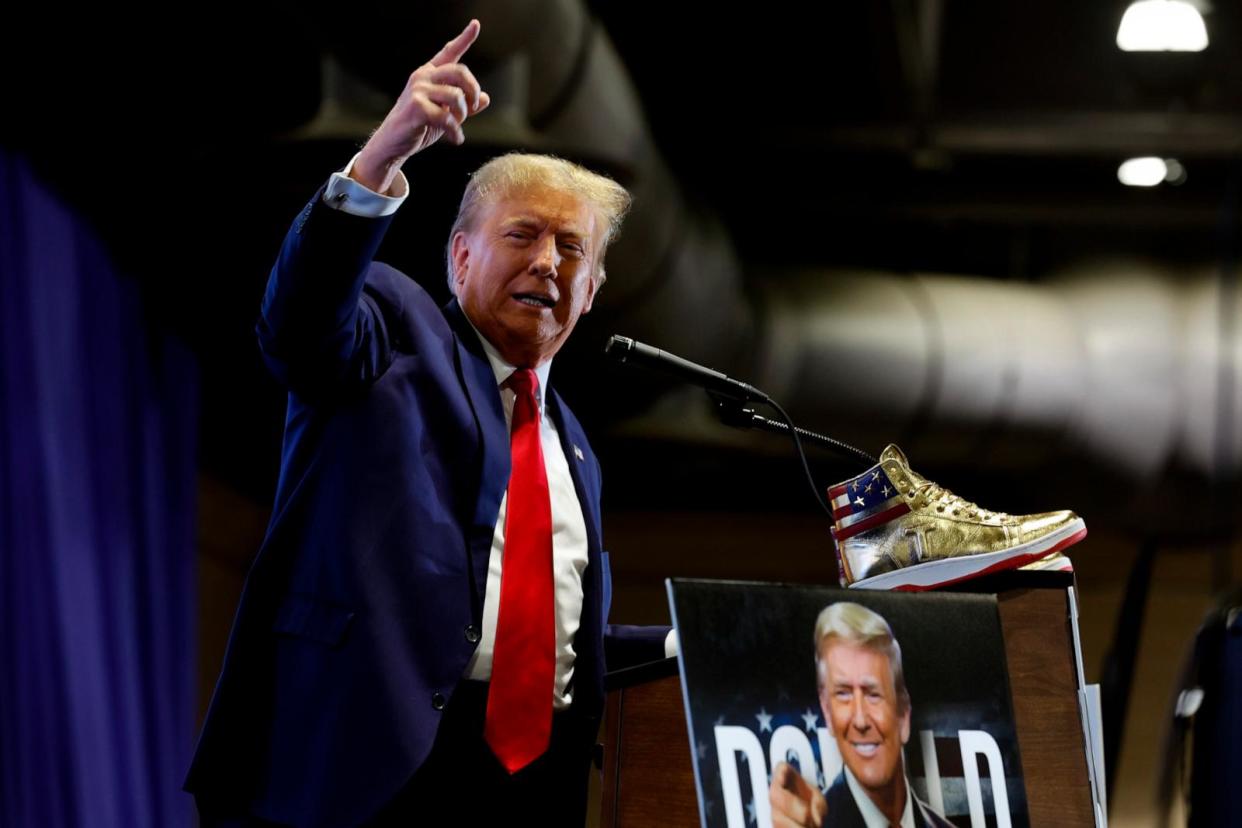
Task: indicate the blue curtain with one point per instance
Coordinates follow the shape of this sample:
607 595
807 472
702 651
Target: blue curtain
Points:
97 489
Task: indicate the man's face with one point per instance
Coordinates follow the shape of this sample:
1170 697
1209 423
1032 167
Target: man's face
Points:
525 272
859 699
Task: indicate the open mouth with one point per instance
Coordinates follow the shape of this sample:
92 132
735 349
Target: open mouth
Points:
865 749
535 300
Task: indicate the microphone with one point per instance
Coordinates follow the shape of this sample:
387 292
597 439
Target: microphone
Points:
624 349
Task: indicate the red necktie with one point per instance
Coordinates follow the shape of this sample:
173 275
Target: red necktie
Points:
519 701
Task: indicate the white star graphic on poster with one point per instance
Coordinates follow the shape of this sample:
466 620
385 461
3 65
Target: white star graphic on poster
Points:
750 811
701 750
811 720
765 720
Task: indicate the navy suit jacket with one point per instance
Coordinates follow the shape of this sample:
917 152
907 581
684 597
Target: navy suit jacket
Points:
361 609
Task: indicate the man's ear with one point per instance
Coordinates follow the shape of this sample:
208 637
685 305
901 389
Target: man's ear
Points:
461 256
592 286
905 726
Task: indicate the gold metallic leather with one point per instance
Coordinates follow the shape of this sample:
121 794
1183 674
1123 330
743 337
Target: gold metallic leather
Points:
940 525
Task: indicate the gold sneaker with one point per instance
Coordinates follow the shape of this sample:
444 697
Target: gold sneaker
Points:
897 530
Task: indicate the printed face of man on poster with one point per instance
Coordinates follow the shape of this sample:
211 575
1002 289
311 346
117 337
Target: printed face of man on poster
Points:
862 692
870 721
863 695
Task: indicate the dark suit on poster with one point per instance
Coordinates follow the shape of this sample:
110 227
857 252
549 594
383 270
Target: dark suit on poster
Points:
843 810
364 603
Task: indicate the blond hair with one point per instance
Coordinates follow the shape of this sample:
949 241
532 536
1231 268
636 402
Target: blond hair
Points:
510 173
856 625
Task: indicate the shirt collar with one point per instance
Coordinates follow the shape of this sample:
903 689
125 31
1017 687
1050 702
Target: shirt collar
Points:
503 369
870 813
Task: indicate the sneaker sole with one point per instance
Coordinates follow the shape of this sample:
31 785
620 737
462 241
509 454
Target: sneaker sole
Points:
948 571
1049 564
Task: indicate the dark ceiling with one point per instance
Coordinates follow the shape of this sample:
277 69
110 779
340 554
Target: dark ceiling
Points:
978 138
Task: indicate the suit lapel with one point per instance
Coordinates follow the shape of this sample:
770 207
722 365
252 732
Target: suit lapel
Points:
480 384
589 667
581 467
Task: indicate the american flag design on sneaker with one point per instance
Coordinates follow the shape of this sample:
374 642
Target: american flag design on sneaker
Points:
864 502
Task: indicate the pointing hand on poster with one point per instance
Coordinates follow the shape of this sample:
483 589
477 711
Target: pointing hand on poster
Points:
795 804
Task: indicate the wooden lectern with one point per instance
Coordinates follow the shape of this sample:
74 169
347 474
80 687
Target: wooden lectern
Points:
648 776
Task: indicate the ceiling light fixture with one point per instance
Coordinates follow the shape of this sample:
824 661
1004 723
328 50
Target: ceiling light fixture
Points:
1146 172
1162 26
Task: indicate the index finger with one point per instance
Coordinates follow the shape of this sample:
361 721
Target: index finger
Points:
455 48
796 784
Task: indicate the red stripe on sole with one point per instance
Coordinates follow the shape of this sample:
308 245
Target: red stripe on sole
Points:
999 566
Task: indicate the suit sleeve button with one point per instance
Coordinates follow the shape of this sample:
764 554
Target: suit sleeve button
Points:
472 634
437 701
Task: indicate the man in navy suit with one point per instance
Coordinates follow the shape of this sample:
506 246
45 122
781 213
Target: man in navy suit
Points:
408 648
863 696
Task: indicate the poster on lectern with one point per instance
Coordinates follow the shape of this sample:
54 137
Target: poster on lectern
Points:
830 707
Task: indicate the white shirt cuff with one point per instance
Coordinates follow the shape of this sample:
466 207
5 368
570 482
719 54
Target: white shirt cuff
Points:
672 646
348 196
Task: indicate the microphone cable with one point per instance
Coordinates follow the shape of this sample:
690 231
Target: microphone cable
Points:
838 445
